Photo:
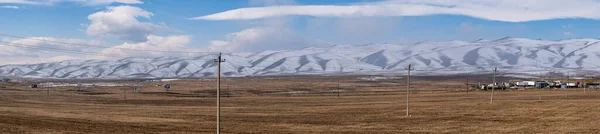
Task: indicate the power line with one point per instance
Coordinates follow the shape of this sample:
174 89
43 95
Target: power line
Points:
97 46
493 85
60 50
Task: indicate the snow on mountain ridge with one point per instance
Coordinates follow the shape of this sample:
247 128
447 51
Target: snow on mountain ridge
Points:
449 56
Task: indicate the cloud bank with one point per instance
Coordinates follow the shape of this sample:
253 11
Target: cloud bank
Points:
84 2
268 34
498 10
28 50
158 43
263 38
122 22
10 7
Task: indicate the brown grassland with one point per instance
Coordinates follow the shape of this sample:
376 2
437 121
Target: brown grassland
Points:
298 105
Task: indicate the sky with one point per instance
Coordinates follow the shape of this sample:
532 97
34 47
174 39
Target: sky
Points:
33 31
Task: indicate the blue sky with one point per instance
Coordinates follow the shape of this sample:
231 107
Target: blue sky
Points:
257 25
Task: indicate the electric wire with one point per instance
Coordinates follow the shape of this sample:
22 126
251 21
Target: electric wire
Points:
97 46
60 50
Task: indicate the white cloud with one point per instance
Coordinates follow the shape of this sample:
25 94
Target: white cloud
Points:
43 49
8 50
272 2
154 43
262 38
20 2
122 22
84 2
4 39
354 30
50 42
499 10
106 2
568 34
469 29
267 34
33 60
10 7
49 49
51 59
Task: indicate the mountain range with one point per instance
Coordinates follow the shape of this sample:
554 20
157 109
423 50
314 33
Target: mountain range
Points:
428 58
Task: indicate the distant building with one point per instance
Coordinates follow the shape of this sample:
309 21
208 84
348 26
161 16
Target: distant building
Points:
526 83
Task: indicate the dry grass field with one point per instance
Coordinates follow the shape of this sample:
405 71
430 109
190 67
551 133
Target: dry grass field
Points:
298 105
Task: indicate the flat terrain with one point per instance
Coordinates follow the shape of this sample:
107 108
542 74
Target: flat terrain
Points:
298 105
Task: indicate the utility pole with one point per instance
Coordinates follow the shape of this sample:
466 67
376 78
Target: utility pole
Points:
408 90
228 91
467 86
47 90
583 83
568 79
493 85
539 94
338 89
124 94
219 60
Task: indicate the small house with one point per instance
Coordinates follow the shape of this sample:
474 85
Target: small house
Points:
541 84
571 85
526 83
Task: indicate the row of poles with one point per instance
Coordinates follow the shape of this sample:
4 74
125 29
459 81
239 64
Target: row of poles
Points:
410 68
219 60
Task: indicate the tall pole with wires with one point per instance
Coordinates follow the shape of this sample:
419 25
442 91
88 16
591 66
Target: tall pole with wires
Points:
584 83
338 89
47 87
219 60
468 86
409 68
493 85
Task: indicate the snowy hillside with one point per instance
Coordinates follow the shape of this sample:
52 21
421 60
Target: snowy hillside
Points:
508 54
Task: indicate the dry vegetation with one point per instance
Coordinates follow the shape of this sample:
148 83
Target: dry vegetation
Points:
297 105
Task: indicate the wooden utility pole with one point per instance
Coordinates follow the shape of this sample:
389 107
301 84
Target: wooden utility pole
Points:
228 91
468 86
408 90
493 86
338 89
47 88
568 79
584 83
124 94
219 60
539 94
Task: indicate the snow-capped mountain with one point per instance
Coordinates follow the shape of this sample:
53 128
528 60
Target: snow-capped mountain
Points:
509 54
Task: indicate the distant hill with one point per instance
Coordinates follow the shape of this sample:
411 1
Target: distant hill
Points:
508 54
